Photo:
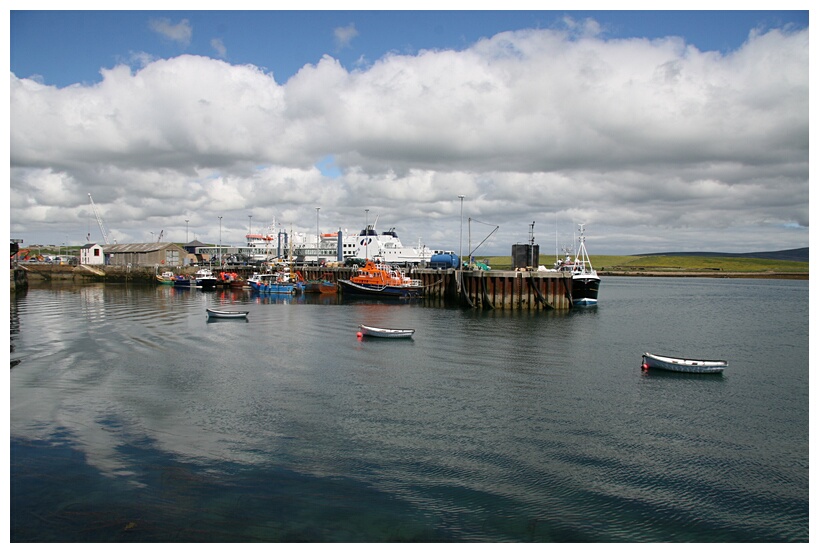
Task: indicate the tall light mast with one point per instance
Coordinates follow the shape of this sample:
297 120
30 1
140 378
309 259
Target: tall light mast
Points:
99 219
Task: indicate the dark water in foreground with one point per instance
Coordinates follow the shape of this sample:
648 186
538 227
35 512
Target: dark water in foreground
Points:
133 419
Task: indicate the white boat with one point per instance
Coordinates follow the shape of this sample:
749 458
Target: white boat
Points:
205 279
303 247
376 332
219 314
367 244
682 365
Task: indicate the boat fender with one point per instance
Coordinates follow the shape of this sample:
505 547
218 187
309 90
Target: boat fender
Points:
359 335
645 366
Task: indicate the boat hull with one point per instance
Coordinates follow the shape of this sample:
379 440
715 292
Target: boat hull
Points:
273 288
206 283
585 289
681 365
219 314
376 332
319 287
354 289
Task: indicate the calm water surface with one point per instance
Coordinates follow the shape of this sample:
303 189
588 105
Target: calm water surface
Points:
134 419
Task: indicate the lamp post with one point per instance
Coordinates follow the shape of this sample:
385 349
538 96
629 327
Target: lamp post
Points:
186 231
318 239
250 224
220 241
367 233
461 240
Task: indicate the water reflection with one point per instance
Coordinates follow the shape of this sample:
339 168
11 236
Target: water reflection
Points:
495 426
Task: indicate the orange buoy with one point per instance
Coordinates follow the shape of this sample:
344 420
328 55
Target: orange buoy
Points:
359 335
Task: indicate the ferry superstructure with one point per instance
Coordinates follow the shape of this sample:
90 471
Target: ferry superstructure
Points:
366 244
272 245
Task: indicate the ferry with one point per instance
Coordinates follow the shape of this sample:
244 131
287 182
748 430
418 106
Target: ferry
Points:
366 244
280 246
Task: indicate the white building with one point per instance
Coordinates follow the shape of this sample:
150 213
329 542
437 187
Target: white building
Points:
91 254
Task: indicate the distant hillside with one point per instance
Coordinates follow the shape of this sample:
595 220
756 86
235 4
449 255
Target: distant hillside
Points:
798 254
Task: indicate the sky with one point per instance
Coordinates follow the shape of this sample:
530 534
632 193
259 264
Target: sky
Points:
657 130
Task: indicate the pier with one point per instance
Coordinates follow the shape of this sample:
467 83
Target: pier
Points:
504 290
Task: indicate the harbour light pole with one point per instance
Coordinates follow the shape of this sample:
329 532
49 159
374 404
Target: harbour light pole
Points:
186 231
220 241
461 242
367 233
250 224
318 240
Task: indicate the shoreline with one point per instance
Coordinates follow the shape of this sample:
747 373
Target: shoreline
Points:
708 274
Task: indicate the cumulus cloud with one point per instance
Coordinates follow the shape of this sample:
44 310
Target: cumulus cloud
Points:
180 33
652 144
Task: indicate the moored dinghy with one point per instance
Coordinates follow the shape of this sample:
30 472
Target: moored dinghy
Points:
221 314
682 365
377 332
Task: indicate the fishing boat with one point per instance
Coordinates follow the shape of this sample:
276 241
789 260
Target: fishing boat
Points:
682 365
183 281
320 286
378 279
219 314
205 279
585 282
231 280
327 287
272 283
376 332
166 277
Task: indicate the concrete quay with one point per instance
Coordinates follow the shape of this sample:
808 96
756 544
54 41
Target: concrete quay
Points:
507 290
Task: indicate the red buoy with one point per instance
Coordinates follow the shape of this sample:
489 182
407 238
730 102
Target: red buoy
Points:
645 366
359 335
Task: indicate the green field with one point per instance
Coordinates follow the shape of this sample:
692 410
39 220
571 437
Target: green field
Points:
668 263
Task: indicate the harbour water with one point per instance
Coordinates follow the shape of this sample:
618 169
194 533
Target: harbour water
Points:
134 419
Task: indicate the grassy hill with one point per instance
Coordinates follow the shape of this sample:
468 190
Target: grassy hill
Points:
676 263
797 254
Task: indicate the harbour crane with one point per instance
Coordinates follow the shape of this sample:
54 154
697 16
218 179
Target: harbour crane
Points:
99 219
161 232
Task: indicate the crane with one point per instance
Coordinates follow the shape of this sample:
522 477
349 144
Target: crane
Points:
161 232
99 219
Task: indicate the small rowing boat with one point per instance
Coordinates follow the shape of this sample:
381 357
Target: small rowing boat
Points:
219 314
682 365
376 332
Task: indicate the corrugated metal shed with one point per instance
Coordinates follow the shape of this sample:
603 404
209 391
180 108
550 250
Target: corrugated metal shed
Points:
146 254
138 248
